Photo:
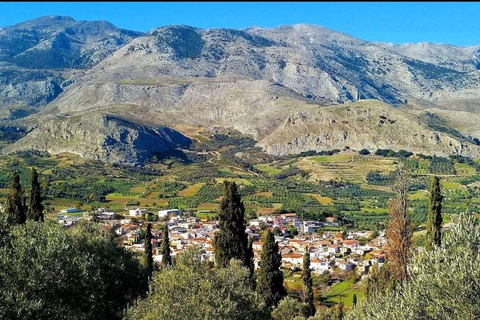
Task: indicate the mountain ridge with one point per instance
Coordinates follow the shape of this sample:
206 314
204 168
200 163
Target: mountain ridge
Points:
255 79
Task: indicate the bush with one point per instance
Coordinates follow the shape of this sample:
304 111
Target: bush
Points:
364 152
444 282
47 272
189 290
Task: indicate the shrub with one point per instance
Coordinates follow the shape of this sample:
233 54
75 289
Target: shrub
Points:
444 281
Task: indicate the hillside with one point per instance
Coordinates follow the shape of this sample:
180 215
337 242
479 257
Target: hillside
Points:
292 88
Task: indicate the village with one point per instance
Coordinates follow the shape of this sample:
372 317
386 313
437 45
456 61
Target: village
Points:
330 251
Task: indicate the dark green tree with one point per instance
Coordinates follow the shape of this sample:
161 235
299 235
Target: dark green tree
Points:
340 311
95 218
434 219
15 206
149 251
231 241
250 255
35 208
354 300
270 277
79 273
166 256
307 290
250 262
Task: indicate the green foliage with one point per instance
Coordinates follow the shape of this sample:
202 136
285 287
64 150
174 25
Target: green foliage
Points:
169 189
15 207
189 290
434 220
47 272
270 277
307 289
364 152
314 153
132 203
452 293
379 179
439 165
340 313
149 250
385 153
166 256
35 208
231 241
289 308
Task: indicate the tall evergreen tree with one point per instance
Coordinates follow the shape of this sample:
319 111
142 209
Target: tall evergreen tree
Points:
270 277
149 251
434 220
250 256
15 206
35 208
231 241
307 291
166 256
354 300
340 311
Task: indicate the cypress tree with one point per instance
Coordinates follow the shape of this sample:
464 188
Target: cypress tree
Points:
166 257
270 277
250 262
149 251
95 218
15 206
354 300
35 208
231 241
340 311
307 292
434 220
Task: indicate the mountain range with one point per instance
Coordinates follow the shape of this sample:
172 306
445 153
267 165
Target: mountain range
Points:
90 88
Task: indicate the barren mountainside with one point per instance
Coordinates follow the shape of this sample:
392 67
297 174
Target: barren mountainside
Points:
292 88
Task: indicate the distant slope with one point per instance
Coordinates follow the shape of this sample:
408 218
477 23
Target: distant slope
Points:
273 84
34 55
101 137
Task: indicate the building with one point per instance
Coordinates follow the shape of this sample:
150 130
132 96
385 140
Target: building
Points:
137 212
167 213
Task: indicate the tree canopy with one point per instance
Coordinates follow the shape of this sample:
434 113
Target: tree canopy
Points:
444 282
231 241
47 272
189 290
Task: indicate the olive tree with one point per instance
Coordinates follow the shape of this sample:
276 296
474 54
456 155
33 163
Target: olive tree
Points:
444 282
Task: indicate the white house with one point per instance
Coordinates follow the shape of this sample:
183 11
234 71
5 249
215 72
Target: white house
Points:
333 248
293 258
320 266
137 212
167 213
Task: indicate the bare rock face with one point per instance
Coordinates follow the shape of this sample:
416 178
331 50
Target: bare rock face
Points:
293 88
101 137
35 55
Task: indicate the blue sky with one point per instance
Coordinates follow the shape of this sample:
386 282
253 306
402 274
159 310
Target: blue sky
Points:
398 22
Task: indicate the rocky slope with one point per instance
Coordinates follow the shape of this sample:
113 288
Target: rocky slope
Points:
274 84
101 137
35 55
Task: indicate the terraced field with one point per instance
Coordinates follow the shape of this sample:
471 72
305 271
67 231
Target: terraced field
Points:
314 186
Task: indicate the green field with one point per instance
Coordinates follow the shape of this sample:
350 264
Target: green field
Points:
315 187
344 291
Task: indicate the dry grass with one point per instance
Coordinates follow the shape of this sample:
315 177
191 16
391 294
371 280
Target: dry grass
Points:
342 167
320 199
190 191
